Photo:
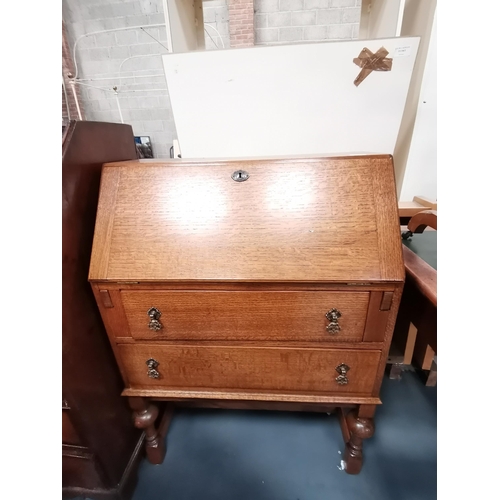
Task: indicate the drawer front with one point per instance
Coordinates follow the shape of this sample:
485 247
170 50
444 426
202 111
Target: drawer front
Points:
251 368
275 316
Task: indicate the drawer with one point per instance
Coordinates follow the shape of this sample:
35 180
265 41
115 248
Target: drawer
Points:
250 368
273 316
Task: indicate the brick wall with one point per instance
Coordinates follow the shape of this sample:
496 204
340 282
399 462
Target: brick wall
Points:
142 91
286 21
241 23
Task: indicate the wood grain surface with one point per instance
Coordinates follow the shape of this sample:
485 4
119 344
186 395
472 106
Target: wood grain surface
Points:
252 368
230 395
292 316
330 219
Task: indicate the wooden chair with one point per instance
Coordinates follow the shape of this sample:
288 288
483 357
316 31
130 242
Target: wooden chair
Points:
415 335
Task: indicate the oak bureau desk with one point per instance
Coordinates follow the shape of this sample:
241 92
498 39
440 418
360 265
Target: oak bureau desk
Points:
258 284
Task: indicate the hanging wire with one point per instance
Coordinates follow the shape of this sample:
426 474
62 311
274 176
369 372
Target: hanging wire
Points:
149 34
210 36
105 31
104 78
221 40
111 89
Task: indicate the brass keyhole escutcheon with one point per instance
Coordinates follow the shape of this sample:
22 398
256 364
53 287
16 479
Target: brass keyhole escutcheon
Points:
333 316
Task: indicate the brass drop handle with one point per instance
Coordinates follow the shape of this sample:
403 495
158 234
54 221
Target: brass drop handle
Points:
152 365
333 316
154 319
342 369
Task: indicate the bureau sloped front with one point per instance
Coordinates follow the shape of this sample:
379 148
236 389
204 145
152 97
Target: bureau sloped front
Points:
222 315
250 368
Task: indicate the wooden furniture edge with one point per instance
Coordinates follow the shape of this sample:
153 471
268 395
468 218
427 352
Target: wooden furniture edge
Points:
177 394
423 275
186 162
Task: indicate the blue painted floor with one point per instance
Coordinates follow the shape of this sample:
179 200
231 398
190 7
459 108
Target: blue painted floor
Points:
250 455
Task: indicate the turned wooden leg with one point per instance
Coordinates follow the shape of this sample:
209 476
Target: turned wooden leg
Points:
359 428
145 415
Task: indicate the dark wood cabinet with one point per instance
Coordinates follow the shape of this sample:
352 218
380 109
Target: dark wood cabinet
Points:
100 445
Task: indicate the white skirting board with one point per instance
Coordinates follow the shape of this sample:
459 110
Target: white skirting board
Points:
288 100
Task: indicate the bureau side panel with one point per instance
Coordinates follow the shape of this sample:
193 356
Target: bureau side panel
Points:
103 232
388 227
389 330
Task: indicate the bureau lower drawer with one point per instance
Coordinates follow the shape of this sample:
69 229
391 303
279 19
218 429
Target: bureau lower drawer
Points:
274 316
251 368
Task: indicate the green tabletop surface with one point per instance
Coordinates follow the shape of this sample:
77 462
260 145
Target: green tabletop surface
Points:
425 246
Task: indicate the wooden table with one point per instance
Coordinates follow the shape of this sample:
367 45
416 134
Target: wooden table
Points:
415 334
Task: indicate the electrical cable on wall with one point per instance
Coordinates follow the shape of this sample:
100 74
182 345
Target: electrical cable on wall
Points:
108 31
73 88
128 59
66 98
221 40
149 34
118 103
114 87
104 78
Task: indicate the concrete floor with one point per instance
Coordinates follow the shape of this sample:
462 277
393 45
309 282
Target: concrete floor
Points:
250 455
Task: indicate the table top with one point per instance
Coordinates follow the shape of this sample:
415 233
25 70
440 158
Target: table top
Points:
425 246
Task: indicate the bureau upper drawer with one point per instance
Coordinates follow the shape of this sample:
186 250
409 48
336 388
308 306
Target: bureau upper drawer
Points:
240 315
249 368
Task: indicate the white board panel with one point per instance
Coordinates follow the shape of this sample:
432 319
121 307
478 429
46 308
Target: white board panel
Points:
288 99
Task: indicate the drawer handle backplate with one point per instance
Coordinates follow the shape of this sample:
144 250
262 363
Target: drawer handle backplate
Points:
342 378
333 316
154 319
152 368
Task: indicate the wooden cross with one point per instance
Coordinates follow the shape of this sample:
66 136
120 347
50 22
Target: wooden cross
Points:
368 62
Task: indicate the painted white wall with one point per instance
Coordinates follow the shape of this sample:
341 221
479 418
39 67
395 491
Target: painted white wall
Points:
181 25
288 99
421 167
417 20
